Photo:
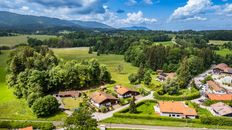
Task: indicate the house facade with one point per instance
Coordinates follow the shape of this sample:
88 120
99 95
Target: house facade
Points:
124 92
100 99
175 109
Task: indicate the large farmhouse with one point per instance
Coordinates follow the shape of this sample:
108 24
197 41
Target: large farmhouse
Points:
100 99
215 88
222 109
175 109
124 92
222 68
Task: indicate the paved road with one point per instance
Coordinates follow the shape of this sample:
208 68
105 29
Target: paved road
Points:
101 116
145 127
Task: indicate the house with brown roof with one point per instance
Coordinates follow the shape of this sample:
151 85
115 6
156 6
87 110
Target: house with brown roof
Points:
100 99
124 92
166 76
219 97
175 109
222 68
73 94
222 109
216 88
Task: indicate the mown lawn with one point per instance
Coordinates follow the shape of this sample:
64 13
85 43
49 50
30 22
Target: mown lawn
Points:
71 103
155 122
20 39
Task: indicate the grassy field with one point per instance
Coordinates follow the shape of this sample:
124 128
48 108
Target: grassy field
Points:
21 39
71 103
217 42
167 43
224 52
111 61
155 122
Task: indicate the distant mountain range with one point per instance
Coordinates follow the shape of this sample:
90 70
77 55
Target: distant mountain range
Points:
10 20
135 28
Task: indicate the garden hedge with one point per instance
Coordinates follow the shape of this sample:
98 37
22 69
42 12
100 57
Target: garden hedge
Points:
220 121
23 124
177 98
150 117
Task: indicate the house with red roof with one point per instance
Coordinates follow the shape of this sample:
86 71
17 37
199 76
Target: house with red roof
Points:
100 99
125 92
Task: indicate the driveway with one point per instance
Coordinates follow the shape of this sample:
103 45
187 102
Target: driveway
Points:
101 116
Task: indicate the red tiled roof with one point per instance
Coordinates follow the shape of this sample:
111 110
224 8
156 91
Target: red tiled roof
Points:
220 97
122 90
176 107
27 128
213 85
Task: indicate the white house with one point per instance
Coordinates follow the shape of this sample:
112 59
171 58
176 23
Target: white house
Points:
175 109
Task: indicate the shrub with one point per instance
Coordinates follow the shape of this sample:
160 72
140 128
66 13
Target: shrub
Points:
221 121
22 124
32 97
177 98
45 106
103 109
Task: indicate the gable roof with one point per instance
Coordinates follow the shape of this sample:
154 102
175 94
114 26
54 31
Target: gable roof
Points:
224 67
122 90
100 97
214 86
220 97
221 108
176 107
27 128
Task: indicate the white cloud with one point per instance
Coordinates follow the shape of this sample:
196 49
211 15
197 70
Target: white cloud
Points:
131 2
228 8
137 18
191 9
196 18
149 2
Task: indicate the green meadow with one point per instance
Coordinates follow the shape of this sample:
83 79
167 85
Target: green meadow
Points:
20 39
224 52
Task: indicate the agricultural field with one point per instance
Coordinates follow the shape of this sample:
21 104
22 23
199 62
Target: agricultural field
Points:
111 61
224 52
217 42
20 39
167 43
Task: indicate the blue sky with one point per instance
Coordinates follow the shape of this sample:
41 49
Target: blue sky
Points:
154 14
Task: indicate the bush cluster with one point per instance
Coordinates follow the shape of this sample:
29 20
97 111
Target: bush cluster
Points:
22 124
177 98
221 121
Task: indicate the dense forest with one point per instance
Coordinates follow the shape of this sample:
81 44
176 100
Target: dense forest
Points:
37 72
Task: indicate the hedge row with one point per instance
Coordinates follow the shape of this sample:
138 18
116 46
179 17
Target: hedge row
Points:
150 117
177 98
221 121
23 124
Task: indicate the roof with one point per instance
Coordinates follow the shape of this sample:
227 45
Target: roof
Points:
27 128
221 108
223 67
220 97
213 85
69 93
176 107
100 97
122 90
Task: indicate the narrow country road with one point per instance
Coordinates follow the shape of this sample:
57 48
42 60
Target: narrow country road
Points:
101 116
146 127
